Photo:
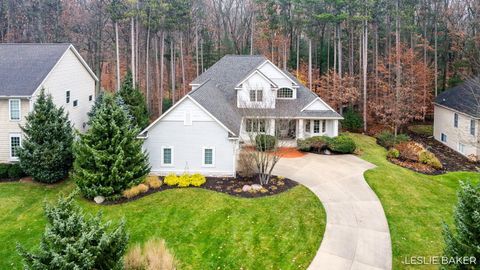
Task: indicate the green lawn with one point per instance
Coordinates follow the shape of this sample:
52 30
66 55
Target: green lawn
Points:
422 129
415 204
204 229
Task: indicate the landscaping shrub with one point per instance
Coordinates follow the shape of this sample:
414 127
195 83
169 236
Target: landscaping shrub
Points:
351 120
197 180
387 139
409 150
153 182
313 144
73 240
393 153
15 171
342 144
131 192
171 180
142 188
430 159
154 256
246 164
184 180
46 150
265 142
4 170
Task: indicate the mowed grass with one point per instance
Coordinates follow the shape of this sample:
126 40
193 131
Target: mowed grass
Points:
415 204
204 229
422 129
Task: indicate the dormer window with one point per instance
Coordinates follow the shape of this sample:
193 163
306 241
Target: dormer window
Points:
285 93
256 95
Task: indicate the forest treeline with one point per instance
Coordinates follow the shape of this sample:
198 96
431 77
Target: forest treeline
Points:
385 58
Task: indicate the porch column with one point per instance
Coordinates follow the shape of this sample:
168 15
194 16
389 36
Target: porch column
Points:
301 129
335 128
271 127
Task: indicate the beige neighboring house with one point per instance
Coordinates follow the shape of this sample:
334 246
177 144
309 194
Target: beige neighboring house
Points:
27 68
457 118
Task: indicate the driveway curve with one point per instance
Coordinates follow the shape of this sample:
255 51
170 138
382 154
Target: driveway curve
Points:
357 234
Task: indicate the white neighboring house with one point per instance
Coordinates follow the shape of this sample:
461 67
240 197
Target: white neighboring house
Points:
457 118
25 68
202 131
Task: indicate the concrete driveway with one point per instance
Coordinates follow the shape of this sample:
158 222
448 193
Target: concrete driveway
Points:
357 234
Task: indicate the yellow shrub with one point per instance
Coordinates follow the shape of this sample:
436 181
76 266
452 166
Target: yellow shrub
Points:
142 188
197 179
134 259
430 159
184 180
153 256
131 192
153 181
171 180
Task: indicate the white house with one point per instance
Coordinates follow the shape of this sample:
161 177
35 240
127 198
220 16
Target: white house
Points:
457 117
27 68
202 132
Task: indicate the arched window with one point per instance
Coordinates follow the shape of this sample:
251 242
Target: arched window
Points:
284 93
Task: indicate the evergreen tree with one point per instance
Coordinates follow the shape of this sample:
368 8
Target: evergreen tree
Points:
108 157
465 240
73 241
135 102
46 151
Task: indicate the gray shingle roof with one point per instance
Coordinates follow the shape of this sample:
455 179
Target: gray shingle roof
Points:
222 78
464 98
23 66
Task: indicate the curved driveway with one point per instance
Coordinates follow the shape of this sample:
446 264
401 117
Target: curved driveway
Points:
356 235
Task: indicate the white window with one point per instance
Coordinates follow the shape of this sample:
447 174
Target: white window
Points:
455 120
461 148
472 127
316 126
256 95
15 142
75 103
255 125
187 120
443 137
208 156
67 96
284 93
307 125
14 109
167 155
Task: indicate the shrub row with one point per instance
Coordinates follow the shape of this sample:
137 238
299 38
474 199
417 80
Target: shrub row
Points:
135 190
414 152
340 144
387 139
185 180
11 171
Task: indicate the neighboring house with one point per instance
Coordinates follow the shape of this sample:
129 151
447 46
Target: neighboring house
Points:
456 118
202 132
27 68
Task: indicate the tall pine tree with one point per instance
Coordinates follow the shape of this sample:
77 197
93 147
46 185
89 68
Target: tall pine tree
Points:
465 240
108 157
46 151
74 241
135 101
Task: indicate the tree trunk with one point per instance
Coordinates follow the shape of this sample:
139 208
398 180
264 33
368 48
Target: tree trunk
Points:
132 63
117 55
196 52
157 72
339 40
162 57
298 54
310 63
251 33
398 67
147 71
172 68
365 63
182 64
435 69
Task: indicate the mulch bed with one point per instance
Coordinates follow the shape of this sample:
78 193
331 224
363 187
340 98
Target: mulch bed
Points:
228 185
451 160
416 166
6 180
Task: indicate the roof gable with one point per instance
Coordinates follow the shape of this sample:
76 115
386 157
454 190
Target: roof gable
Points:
25 66
258 72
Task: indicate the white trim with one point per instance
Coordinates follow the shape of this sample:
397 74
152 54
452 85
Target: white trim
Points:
251 74
462 148
162 161
79 57
453 110
173 107
13 135
9 97
203 156
324 103
278 69
294 93
10 110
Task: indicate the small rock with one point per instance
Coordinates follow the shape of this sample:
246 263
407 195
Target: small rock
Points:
246 188
327 152
99 199
256 187
237 190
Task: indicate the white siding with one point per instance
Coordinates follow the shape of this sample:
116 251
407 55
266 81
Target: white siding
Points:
256 82
444 123
276 76
70 74
317 105
8 127
188 141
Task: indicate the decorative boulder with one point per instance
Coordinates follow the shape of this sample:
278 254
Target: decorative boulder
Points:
327 152
99 199
246 188
256 187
